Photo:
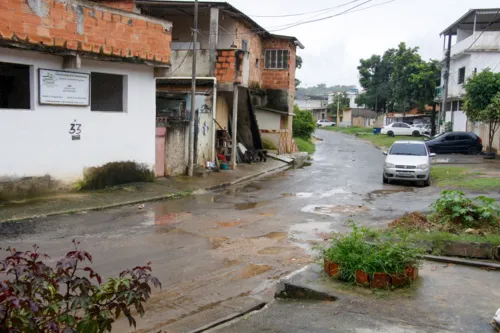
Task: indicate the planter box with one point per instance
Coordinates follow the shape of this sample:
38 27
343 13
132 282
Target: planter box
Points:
399 280
381 280
411 273
362 278
331 268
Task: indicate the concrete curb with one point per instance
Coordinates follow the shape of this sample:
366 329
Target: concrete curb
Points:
229 318
151 199
466 262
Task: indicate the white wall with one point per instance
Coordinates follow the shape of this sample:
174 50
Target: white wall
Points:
459 120
268 120
36 142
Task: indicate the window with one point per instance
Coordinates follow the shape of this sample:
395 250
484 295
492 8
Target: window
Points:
106 92
454 105
463 137
244 45
461 75
408 149
15 86
449 138
257 62
276 59
404 125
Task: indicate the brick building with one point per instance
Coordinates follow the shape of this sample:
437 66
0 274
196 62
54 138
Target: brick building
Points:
77 86
243 72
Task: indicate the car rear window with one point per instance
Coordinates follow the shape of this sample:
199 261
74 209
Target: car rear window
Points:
408 149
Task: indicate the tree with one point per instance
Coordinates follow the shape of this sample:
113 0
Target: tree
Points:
482 101
339 98
298 62
297 83
303 123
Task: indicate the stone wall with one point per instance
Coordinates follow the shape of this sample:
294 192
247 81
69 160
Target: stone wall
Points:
84 26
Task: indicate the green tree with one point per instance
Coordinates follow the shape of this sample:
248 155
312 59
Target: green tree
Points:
339 98
303 123
298 62
297 83
482 101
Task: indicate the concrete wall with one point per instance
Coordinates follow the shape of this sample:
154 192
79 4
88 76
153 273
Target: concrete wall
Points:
268 120
459 120
37 141
176 155
85 27
482 130
182 63
272 137
181 28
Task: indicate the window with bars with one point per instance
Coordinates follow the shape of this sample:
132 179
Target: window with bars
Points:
276 59
461 75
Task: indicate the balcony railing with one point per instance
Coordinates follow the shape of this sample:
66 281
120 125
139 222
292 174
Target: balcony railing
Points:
487 41
439 92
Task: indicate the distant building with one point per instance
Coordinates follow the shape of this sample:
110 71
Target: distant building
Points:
316 104
476 47
351 93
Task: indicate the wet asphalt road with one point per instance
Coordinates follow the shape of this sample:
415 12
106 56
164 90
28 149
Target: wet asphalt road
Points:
223 246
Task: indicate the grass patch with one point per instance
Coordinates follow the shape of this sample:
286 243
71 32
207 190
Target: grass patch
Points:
461 177
348 130
305 145
386 141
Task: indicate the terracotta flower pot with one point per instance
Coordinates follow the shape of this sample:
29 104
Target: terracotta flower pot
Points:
362 278
381 280
412 272
399 280
331 268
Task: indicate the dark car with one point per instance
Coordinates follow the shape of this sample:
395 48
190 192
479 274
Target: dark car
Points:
455 142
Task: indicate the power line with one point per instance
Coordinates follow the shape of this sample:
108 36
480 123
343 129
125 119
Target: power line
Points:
306 13
482 32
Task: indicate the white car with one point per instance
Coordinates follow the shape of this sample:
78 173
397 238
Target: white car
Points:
325 122
399 128
408 160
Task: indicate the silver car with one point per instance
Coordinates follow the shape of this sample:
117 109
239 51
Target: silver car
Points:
408 160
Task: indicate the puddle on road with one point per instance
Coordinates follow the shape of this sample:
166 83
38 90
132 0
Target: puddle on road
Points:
229 224
311 231
333 192
250 205
275 235
387 191
335 210
272 250
254 270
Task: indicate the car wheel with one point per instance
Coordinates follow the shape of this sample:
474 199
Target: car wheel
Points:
472 151
390 133
427 182
385 180
416 133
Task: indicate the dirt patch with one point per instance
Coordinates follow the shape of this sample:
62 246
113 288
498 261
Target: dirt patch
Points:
229 263
171 218
335 209
218 241
275 235
378 193
249 205
272 250
254 270
229 224
415 220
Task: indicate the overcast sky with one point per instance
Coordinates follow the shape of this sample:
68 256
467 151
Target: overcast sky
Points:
333 47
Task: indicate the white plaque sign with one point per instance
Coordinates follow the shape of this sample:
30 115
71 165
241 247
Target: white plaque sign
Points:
63 88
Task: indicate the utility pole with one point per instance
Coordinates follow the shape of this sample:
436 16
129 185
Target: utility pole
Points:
338 110
193 93
446 76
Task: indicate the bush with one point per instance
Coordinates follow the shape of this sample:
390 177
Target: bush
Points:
353 252
454 207
115 173
39 298
303 124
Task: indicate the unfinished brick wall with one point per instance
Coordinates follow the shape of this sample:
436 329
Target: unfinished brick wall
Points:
86 27
128 5
280 78
246 32
228 68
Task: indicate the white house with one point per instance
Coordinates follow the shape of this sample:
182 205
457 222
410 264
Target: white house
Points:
475 46
79 96
316 104
352 94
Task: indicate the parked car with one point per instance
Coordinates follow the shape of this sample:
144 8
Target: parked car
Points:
325 122
408 160
423 128
399 128
455 142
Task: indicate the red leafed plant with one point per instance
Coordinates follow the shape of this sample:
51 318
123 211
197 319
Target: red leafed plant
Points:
71 297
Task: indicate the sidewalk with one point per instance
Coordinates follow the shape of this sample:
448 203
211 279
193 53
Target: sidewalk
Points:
128 194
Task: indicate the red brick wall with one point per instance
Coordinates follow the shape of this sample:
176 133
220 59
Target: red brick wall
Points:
243 31
128 5
87 28
280 78
229 66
